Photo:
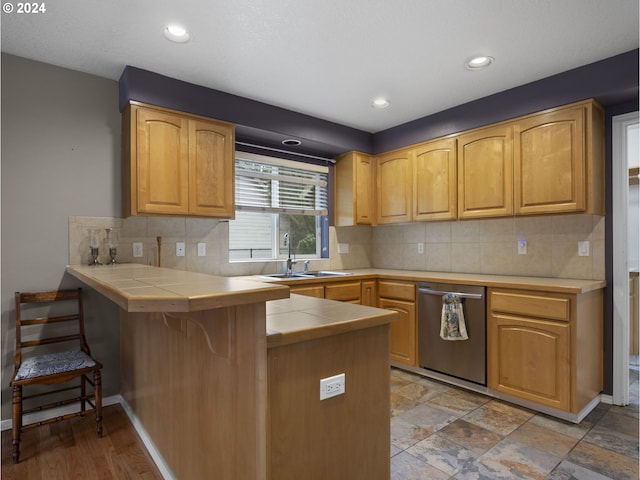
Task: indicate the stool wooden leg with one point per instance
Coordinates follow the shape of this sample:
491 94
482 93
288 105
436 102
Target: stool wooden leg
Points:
97 381
17 421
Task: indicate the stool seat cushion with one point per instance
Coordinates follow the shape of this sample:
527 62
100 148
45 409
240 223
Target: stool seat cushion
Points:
53 363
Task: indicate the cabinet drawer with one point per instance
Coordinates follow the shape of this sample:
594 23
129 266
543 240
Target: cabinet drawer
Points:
397 290
530 304
344 292
309 291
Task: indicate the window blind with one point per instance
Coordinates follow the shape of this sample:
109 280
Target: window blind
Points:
280 186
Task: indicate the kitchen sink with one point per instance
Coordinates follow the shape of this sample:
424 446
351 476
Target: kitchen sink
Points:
287 275
301 275
326 273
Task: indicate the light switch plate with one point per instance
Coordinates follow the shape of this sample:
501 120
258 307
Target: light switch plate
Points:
202 249
179 249
421 248
137 249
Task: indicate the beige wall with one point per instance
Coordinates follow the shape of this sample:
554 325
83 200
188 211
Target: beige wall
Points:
60 157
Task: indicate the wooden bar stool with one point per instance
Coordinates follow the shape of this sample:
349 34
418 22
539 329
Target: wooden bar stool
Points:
34 368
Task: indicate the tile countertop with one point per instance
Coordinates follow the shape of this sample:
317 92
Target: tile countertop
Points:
300 318
141 288
558 285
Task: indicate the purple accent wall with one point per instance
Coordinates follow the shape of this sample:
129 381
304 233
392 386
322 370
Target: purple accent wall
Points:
610 81
272 123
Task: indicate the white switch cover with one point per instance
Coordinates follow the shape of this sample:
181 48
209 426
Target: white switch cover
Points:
421 248
583 249
343 248
202 249
332 386
522 247
179 249
137 249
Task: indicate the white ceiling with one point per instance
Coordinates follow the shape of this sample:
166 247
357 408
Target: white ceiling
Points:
330 58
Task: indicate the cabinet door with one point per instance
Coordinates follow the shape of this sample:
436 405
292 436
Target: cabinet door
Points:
211 169
485 172
550 162
530 359
393 173
363 190
343 292
403 330
354 186
161 147
435 181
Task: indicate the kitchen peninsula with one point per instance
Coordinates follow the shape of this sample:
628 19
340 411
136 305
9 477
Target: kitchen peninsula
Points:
222 375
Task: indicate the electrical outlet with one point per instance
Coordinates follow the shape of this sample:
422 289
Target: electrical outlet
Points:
583 249
343 248
202 249
179 249
522 247
137 249
421 248
332 386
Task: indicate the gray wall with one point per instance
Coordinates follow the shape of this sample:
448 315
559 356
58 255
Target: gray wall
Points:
60 157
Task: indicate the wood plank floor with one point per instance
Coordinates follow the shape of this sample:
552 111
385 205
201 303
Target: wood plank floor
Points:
71 449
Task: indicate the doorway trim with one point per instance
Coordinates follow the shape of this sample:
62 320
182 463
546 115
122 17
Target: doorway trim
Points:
620 195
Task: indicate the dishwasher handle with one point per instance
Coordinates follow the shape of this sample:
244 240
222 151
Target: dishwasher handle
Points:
474 296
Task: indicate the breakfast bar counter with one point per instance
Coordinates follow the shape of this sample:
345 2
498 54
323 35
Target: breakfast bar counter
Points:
221 376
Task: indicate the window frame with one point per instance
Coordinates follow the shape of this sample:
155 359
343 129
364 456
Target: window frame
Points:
322 190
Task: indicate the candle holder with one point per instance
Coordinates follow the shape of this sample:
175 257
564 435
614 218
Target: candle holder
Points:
94 256
111 244
94 243
113 251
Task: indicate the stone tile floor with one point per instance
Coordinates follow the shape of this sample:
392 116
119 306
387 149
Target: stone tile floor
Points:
442 432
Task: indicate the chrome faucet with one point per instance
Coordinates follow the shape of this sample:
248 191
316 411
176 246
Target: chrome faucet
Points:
290 262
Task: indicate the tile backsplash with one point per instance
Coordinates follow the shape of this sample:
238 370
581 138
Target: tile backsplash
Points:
472 246
213 233
491 246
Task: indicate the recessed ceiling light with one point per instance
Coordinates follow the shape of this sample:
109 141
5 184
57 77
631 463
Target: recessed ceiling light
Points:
176 33
477 63
291 142
380 103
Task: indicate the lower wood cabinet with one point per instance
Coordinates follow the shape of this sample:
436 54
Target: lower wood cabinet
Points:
369 293
309 290
545 347
401 297
341 291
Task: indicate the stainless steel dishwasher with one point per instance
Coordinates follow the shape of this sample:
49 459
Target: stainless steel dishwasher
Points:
464 359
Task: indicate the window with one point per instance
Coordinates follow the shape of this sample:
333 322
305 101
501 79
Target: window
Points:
276 197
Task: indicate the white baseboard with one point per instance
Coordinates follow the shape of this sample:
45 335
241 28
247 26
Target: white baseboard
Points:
7 424
165 471
608 399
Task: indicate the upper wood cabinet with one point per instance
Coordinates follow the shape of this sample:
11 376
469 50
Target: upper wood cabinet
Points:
393 179
176 164
559 163
355 200
435 180
485 172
